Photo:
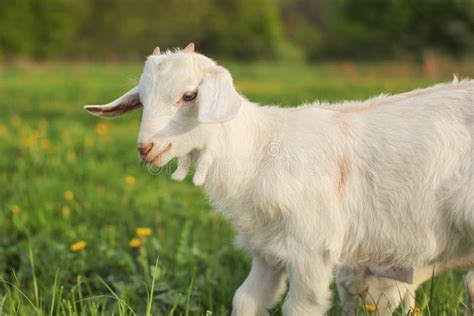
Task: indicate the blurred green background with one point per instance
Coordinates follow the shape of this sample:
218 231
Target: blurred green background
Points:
84 230
244 29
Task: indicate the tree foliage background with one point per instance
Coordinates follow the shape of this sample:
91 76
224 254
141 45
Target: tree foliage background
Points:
244 29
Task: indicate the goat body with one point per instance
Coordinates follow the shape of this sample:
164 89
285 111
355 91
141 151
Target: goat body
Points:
388 181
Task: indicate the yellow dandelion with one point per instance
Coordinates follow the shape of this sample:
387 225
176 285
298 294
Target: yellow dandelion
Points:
45 144
78 246
43 124
15 209
370 307
71 156
415 311
130 180
135 243
143 232
66 212
34 134
88 143
28 142
68 195
3 130
101 128
16 120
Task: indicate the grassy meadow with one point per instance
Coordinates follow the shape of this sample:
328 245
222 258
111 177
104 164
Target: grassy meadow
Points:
84 230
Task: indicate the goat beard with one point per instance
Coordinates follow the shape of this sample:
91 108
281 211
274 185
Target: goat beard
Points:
202 163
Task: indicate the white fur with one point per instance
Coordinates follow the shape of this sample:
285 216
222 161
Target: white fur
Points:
387 181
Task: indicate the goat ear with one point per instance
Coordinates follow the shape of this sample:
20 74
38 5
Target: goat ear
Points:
217 99
126 103
189 48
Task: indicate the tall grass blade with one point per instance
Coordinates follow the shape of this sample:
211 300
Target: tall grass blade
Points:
149 303
35 280
53 299
190 289
116 297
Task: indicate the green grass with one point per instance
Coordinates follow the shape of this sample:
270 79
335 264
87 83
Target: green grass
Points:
188 266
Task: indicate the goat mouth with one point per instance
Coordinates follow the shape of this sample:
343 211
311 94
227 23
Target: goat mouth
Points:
161 154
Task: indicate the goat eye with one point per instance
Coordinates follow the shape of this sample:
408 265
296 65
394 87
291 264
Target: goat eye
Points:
189 96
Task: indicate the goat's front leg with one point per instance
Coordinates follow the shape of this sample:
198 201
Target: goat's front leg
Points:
261 290
470 293
309 292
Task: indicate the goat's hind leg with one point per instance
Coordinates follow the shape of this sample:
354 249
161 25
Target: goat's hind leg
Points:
350 283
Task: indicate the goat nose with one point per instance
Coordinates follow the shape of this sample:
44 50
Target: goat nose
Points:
145 149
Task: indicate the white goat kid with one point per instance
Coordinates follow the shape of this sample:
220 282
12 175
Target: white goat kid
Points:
387 293
387 181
